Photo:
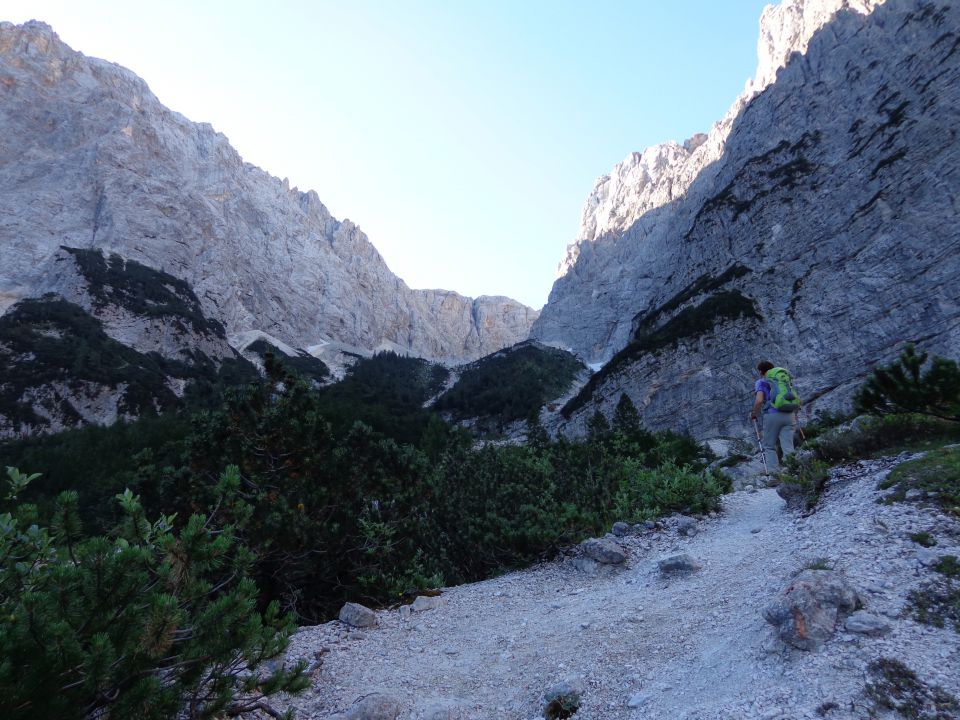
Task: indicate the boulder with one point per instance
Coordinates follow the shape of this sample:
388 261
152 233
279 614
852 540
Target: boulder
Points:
603 551
806 613
375 706
357 615
426 602
866 623
677 564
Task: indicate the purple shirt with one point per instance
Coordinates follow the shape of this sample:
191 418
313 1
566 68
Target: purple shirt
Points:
763 385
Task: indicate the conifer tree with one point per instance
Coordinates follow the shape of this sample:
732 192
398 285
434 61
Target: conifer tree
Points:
626 419
904 386
598 426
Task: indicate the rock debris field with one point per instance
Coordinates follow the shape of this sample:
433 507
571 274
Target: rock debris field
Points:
641 643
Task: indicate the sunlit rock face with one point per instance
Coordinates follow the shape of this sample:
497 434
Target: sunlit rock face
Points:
89 158
816 226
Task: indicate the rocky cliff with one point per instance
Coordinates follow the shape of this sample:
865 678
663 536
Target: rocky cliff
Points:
89 158
815 225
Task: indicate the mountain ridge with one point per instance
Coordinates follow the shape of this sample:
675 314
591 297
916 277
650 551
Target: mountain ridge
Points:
97 161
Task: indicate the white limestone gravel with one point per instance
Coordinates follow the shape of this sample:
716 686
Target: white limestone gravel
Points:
645 645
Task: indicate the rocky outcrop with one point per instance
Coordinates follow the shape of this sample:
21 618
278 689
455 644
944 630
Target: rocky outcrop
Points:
806 613
90 159
118 340
822 235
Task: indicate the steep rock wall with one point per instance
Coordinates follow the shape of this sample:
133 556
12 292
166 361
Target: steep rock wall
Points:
837 193
90 158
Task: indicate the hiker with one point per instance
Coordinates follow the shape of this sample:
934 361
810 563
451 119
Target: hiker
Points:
777 424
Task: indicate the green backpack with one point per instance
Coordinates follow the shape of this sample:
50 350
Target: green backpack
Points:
783 397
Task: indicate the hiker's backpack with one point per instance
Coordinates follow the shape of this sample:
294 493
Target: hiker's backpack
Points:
783 397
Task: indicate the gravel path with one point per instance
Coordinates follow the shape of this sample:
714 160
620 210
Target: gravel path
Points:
645 646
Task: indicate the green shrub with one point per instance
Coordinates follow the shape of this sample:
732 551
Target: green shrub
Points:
905 387
387 392
802 481
151 622
646 493
924 539
883 434
337 511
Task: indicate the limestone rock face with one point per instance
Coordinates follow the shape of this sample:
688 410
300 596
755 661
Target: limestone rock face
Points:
815 226
89 158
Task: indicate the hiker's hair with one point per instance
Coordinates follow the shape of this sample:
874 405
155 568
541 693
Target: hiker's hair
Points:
765 365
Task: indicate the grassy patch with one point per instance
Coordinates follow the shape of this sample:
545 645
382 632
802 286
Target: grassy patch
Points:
948 566
932 478
896 687
937 602
820 563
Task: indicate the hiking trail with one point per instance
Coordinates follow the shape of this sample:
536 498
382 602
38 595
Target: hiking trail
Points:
646 645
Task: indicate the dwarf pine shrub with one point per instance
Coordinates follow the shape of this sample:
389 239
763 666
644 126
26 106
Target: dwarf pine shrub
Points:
150 622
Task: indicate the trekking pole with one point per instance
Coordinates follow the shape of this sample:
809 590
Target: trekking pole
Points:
763 455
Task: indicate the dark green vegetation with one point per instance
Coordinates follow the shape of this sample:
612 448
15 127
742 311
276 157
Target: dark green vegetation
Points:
910 409
510 384
156 620
652 333
896 687
341 510
934 478
872 436
143 291
387 392
52 347
303 363
905 386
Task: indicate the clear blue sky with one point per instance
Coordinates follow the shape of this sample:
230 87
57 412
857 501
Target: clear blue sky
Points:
462 137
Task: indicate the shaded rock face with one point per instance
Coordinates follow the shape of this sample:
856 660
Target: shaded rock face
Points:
89 158
822 237
114 341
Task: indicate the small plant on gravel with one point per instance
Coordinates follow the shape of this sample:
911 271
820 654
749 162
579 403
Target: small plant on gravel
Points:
936 477
923 538
802 481
937 602
896 687
949 566
820 563
561 708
